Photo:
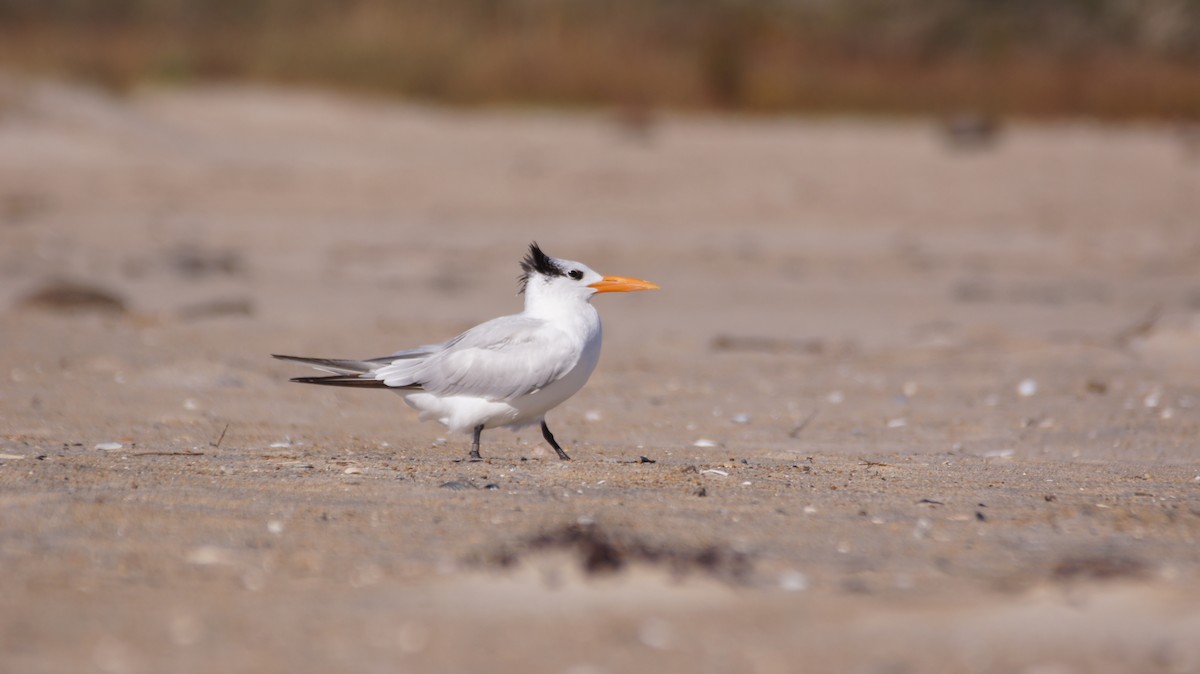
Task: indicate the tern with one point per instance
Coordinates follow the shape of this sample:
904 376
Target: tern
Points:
509 371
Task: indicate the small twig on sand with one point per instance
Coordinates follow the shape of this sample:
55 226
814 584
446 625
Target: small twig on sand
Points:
165 454
795 432
1142 328
217 444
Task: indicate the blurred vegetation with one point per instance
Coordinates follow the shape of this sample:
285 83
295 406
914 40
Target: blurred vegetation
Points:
1109 58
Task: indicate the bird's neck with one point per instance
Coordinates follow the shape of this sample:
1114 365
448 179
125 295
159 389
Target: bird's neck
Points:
564 309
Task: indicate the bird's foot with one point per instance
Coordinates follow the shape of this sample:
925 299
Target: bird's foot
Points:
475 444
553 443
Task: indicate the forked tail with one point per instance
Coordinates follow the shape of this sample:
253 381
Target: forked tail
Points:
344 372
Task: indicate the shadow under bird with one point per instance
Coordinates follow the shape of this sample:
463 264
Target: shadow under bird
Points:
508 371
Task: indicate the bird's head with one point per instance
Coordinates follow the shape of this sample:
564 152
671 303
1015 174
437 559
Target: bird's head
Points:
544 275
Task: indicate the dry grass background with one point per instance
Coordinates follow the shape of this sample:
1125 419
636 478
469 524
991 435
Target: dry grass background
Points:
1107 58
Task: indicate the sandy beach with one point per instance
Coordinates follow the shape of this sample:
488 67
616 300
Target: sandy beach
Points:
901 405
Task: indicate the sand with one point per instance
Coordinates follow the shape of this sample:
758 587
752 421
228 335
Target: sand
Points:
901 405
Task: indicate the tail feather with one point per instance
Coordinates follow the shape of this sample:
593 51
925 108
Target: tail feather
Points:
341 366
344 372
349 382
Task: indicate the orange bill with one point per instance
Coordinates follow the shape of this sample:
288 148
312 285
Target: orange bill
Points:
621 284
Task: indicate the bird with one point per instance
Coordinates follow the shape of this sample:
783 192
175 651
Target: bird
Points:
506 372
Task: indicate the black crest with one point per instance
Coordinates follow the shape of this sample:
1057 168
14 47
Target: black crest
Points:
537 262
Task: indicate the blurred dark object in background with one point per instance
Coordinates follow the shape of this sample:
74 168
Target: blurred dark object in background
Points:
67 296
1106 58
970 130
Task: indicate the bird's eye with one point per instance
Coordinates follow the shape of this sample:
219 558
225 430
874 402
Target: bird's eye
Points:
575 274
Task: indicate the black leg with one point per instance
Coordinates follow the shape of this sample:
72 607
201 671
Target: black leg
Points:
550 439
475 444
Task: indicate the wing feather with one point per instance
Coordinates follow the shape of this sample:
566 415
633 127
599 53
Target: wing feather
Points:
501 359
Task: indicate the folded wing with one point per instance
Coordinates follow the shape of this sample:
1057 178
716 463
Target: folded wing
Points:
502 359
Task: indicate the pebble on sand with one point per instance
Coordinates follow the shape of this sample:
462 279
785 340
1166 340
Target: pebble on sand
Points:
793 581
704 442
1027 388
210 555
922 529
109 446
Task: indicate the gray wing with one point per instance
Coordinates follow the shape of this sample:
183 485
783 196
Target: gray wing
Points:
418 352
501 359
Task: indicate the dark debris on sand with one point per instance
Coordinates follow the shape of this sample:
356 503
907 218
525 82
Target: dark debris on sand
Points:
602 552
1101 565
71 296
